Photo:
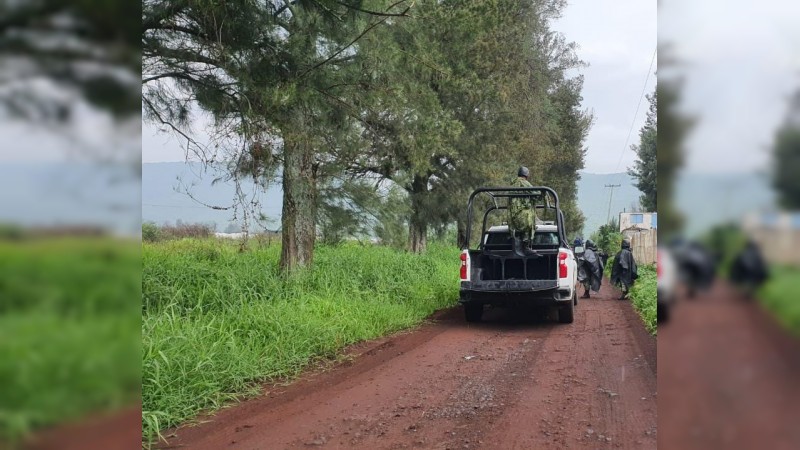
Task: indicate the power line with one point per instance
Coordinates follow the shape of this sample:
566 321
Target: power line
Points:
175 206
612 186
638 105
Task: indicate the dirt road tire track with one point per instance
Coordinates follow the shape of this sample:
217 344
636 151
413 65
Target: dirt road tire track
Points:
509 382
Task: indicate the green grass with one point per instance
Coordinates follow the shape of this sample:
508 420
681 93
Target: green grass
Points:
217 323
644 295
779 296
69 330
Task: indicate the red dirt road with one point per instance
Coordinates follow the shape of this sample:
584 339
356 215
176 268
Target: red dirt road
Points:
728 377
502 384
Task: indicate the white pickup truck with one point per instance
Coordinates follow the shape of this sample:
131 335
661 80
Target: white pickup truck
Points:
494 274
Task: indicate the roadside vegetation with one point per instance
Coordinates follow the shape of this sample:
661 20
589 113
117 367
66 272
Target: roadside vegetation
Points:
643 296
152 232
69 329
608 239
217 322
777 296
726 242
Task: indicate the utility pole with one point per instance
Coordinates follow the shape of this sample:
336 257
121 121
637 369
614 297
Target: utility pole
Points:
612 186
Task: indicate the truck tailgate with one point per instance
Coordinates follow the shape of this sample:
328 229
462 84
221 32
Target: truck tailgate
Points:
509 285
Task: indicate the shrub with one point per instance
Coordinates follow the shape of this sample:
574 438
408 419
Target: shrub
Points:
150 232
644 295
187 230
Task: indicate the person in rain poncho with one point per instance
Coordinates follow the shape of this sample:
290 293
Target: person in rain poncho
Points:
623 271
749 271
590 272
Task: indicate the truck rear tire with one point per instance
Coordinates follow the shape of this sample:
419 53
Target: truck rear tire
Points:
473 312
566 314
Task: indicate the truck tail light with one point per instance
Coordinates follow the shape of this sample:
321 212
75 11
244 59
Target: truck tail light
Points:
463 266
562 265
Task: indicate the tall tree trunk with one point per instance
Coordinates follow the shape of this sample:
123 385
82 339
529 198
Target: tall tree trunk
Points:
299 204
418 224
461 226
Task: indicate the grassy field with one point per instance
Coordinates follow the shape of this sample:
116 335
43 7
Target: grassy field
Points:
69 330
779 295
217 323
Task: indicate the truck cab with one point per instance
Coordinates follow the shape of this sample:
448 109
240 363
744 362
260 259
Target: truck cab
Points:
493 274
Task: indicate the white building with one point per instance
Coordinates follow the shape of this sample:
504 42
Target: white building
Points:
641 229
638 221
777 233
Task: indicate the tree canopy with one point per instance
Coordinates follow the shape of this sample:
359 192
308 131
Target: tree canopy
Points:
358 105
786 157
85 47
645 168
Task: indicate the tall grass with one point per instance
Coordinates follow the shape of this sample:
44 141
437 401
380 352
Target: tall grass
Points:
779 295
217 323
644 296
69 330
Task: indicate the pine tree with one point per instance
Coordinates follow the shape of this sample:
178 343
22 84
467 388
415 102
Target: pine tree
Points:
646 165
786 157
277 77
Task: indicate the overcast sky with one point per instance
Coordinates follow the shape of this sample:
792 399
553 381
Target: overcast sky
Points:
617 38
738 70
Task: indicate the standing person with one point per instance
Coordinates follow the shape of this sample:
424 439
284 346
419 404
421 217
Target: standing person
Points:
578 242
623 270
749 271
592 270
522 216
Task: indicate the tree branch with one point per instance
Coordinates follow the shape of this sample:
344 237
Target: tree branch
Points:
338 52
379 13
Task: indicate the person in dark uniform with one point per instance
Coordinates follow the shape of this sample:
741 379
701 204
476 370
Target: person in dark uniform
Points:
590 273
623 272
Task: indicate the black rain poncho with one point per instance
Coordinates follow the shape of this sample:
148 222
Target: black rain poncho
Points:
749 267
591 269
624 269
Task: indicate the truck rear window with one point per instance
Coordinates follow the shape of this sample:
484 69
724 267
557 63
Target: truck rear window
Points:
498 240
545 238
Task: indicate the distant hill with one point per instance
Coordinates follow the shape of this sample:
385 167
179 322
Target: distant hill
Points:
164 198
593 197
70 194
711 199
708 199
